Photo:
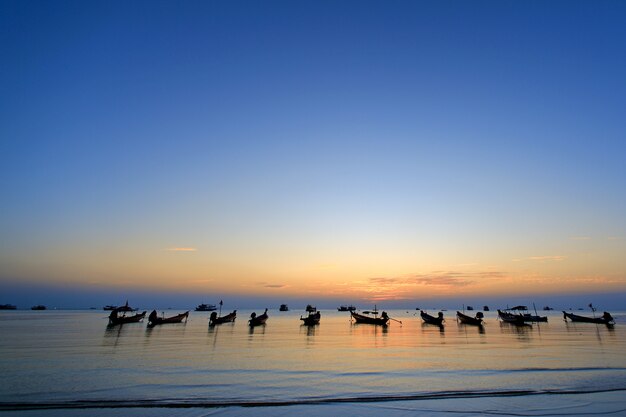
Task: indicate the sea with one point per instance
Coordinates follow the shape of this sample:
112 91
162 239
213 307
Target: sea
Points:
70 363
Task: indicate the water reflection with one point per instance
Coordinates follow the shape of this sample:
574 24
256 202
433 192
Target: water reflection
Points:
112 335
467 328
429 328
225 329
598 330
365 328
215 328
523 332
169 332
258 329
81 356
310 330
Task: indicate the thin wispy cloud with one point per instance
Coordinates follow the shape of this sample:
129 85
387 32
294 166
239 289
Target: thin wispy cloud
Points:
556 258
201 281
597 279
275 285
454 278
181 249
326 266
397 288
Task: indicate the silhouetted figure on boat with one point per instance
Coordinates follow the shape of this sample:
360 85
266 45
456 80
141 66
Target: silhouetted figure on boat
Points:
152 317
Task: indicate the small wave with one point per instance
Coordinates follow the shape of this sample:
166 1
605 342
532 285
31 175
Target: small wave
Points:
195 403
581 369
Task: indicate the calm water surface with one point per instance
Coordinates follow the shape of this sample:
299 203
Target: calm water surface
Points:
67 359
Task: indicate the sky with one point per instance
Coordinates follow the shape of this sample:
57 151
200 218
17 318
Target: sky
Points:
334 151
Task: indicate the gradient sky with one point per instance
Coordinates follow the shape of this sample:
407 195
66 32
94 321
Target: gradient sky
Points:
383 150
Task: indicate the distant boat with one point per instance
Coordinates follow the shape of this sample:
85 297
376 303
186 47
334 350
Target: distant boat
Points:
115 319
547 308
469 308
312 319
124 308
213 319
485 308
206 307
7 307
38 307
606 318
154 319
309 308
346 308
465 319
283 307
428 319
258 320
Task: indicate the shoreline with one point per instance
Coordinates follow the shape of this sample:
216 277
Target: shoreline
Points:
543 404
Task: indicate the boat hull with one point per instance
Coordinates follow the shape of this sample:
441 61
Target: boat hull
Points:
258 320
311 319
605 319
229 318
465 319
511 318
114 321
155 321
361 319
428 319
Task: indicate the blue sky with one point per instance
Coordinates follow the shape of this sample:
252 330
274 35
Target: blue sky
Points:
372 138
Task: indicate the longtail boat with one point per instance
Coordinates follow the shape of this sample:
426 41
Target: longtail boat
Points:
437 321
465 319
229 318
512 318
114 319
154 319
606 318
360 318
257 320
312 319
521 311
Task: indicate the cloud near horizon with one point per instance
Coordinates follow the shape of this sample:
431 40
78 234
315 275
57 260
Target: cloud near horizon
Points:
275 285
394 288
